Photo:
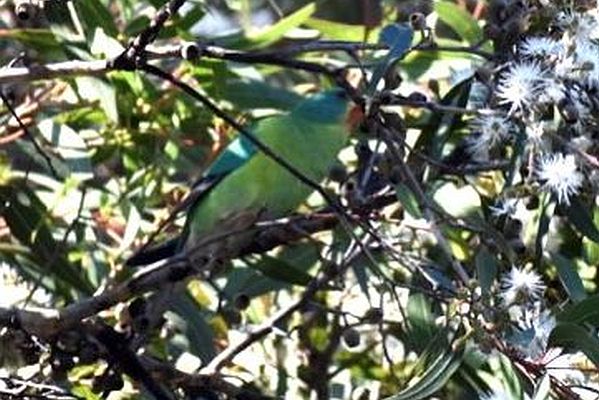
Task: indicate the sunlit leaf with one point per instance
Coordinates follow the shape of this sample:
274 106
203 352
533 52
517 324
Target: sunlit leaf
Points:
573 335
569 277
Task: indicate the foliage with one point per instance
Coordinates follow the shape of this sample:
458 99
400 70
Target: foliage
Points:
452 251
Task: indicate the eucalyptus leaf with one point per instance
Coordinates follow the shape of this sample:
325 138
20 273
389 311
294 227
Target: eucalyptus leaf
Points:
569 277
567 334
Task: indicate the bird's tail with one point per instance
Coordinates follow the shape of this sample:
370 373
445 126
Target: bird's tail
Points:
155 253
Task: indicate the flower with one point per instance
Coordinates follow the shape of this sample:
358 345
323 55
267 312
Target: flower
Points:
587 56
492 129
520 286
559 174
541 47
520 85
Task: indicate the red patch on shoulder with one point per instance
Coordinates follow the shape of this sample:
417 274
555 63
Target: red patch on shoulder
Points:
354 116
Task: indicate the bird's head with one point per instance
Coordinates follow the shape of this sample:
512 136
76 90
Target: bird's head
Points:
331 106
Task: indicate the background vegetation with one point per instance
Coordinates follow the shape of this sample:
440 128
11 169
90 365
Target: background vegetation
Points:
463 262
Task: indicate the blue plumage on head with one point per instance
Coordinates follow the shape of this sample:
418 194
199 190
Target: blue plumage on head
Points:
325 107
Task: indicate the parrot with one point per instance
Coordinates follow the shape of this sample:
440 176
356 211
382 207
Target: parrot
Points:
244 185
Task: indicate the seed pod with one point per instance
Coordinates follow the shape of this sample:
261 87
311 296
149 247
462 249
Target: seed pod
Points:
338 172
24 9
351 337
190 51
418 21
417 97
242 301
513 228
374 315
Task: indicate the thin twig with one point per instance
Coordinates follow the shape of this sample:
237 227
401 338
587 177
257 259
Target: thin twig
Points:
29 135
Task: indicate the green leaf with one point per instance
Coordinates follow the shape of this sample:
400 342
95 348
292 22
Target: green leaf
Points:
579 216
568 274
337 30
486 269
29 222
421 321
544 215
97 89
71 148
543 388
197 329
408 200
105 46
441 363
281 270
41 39
577 337
191 17
462 22
585 311
272 33
398 39
440 126
94 14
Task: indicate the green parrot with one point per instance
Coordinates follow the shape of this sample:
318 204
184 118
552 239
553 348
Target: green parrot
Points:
244 185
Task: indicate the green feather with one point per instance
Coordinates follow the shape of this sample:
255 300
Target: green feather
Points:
310 137
243 182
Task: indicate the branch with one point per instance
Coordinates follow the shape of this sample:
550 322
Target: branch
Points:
45 323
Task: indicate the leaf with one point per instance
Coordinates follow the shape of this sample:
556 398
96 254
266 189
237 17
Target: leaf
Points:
398 39
543 388
421 321
70 146
337 30
281 270
97 89
438 129
104 45
64 22
437 372
579 216
568 274
272 33
462 22
486 269
191 17
577 337
197 329
28 221
40 39
408 200
94 14
585 311
133 225
544 214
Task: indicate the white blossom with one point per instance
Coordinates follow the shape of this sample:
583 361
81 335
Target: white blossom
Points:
587 60
520 285
541 47
521 85
492 129
559 174
553 92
